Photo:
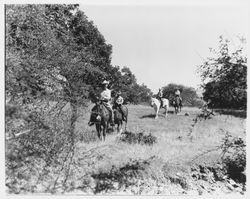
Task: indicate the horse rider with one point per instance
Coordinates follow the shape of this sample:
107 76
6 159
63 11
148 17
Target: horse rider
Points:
106 99
118 101
160 95
177 94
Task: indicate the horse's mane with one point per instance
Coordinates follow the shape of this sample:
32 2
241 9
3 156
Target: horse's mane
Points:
100 106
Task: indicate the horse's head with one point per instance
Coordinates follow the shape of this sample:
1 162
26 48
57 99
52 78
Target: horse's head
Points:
95 115
153 101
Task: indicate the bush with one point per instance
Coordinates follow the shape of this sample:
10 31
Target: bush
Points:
234 158
138 138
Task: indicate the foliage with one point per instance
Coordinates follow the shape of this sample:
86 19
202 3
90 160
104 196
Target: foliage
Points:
224 75
53 57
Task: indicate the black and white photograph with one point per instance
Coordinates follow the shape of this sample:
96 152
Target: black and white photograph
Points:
125 98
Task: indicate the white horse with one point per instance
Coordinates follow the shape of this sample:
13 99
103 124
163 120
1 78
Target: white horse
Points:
156 104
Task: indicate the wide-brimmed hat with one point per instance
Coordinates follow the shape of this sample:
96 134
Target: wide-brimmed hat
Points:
105 82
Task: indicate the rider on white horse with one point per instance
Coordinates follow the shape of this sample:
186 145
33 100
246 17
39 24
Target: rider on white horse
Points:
160 95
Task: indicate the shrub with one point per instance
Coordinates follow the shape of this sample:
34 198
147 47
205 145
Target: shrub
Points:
234 158
138 138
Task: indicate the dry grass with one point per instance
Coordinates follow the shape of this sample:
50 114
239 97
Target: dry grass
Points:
181 142
177 138
117 167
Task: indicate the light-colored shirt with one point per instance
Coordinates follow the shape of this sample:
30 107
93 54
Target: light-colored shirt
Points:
177 92
106 94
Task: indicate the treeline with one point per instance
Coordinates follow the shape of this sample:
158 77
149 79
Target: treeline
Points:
55 51
122 79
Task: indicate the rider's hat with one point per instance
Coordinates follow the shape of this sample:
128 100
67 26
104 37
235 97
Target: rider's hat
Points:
105 82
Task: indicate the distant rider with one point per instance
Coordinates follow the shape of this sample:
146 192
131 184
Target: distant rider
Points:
106 99
177 94
160 95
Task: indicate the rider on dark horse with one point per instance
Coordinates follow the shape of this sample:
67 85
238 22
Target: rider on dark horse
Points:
177 95
106 99
118 101
159 96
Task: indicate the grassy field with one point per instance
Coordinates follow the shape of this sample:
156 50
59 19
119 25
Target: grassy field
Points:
185 146
177 155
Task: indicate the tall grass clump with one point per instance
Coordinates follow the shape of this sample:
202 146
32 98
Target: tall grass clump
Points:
138 138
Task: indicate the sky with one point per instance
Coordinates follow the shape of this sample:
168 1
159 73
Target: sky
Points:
164 44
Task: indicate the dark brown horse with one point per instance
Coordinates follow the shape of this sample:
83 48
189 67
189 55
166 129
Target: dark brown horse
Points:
120 116
177 103
100 116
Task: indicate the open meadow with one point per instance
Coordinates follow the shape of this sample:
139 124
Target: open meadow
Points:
178 155
189 153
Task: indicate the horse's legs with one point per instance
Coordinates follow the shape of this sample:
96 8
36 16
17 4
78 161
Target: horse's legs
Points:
98 129
166 111
126 124
104 131
118 127
120 131
156 112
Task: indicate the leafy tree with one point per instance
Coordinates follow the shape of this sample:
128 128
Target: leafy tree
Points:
224 76
48 66
54 53
125 81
